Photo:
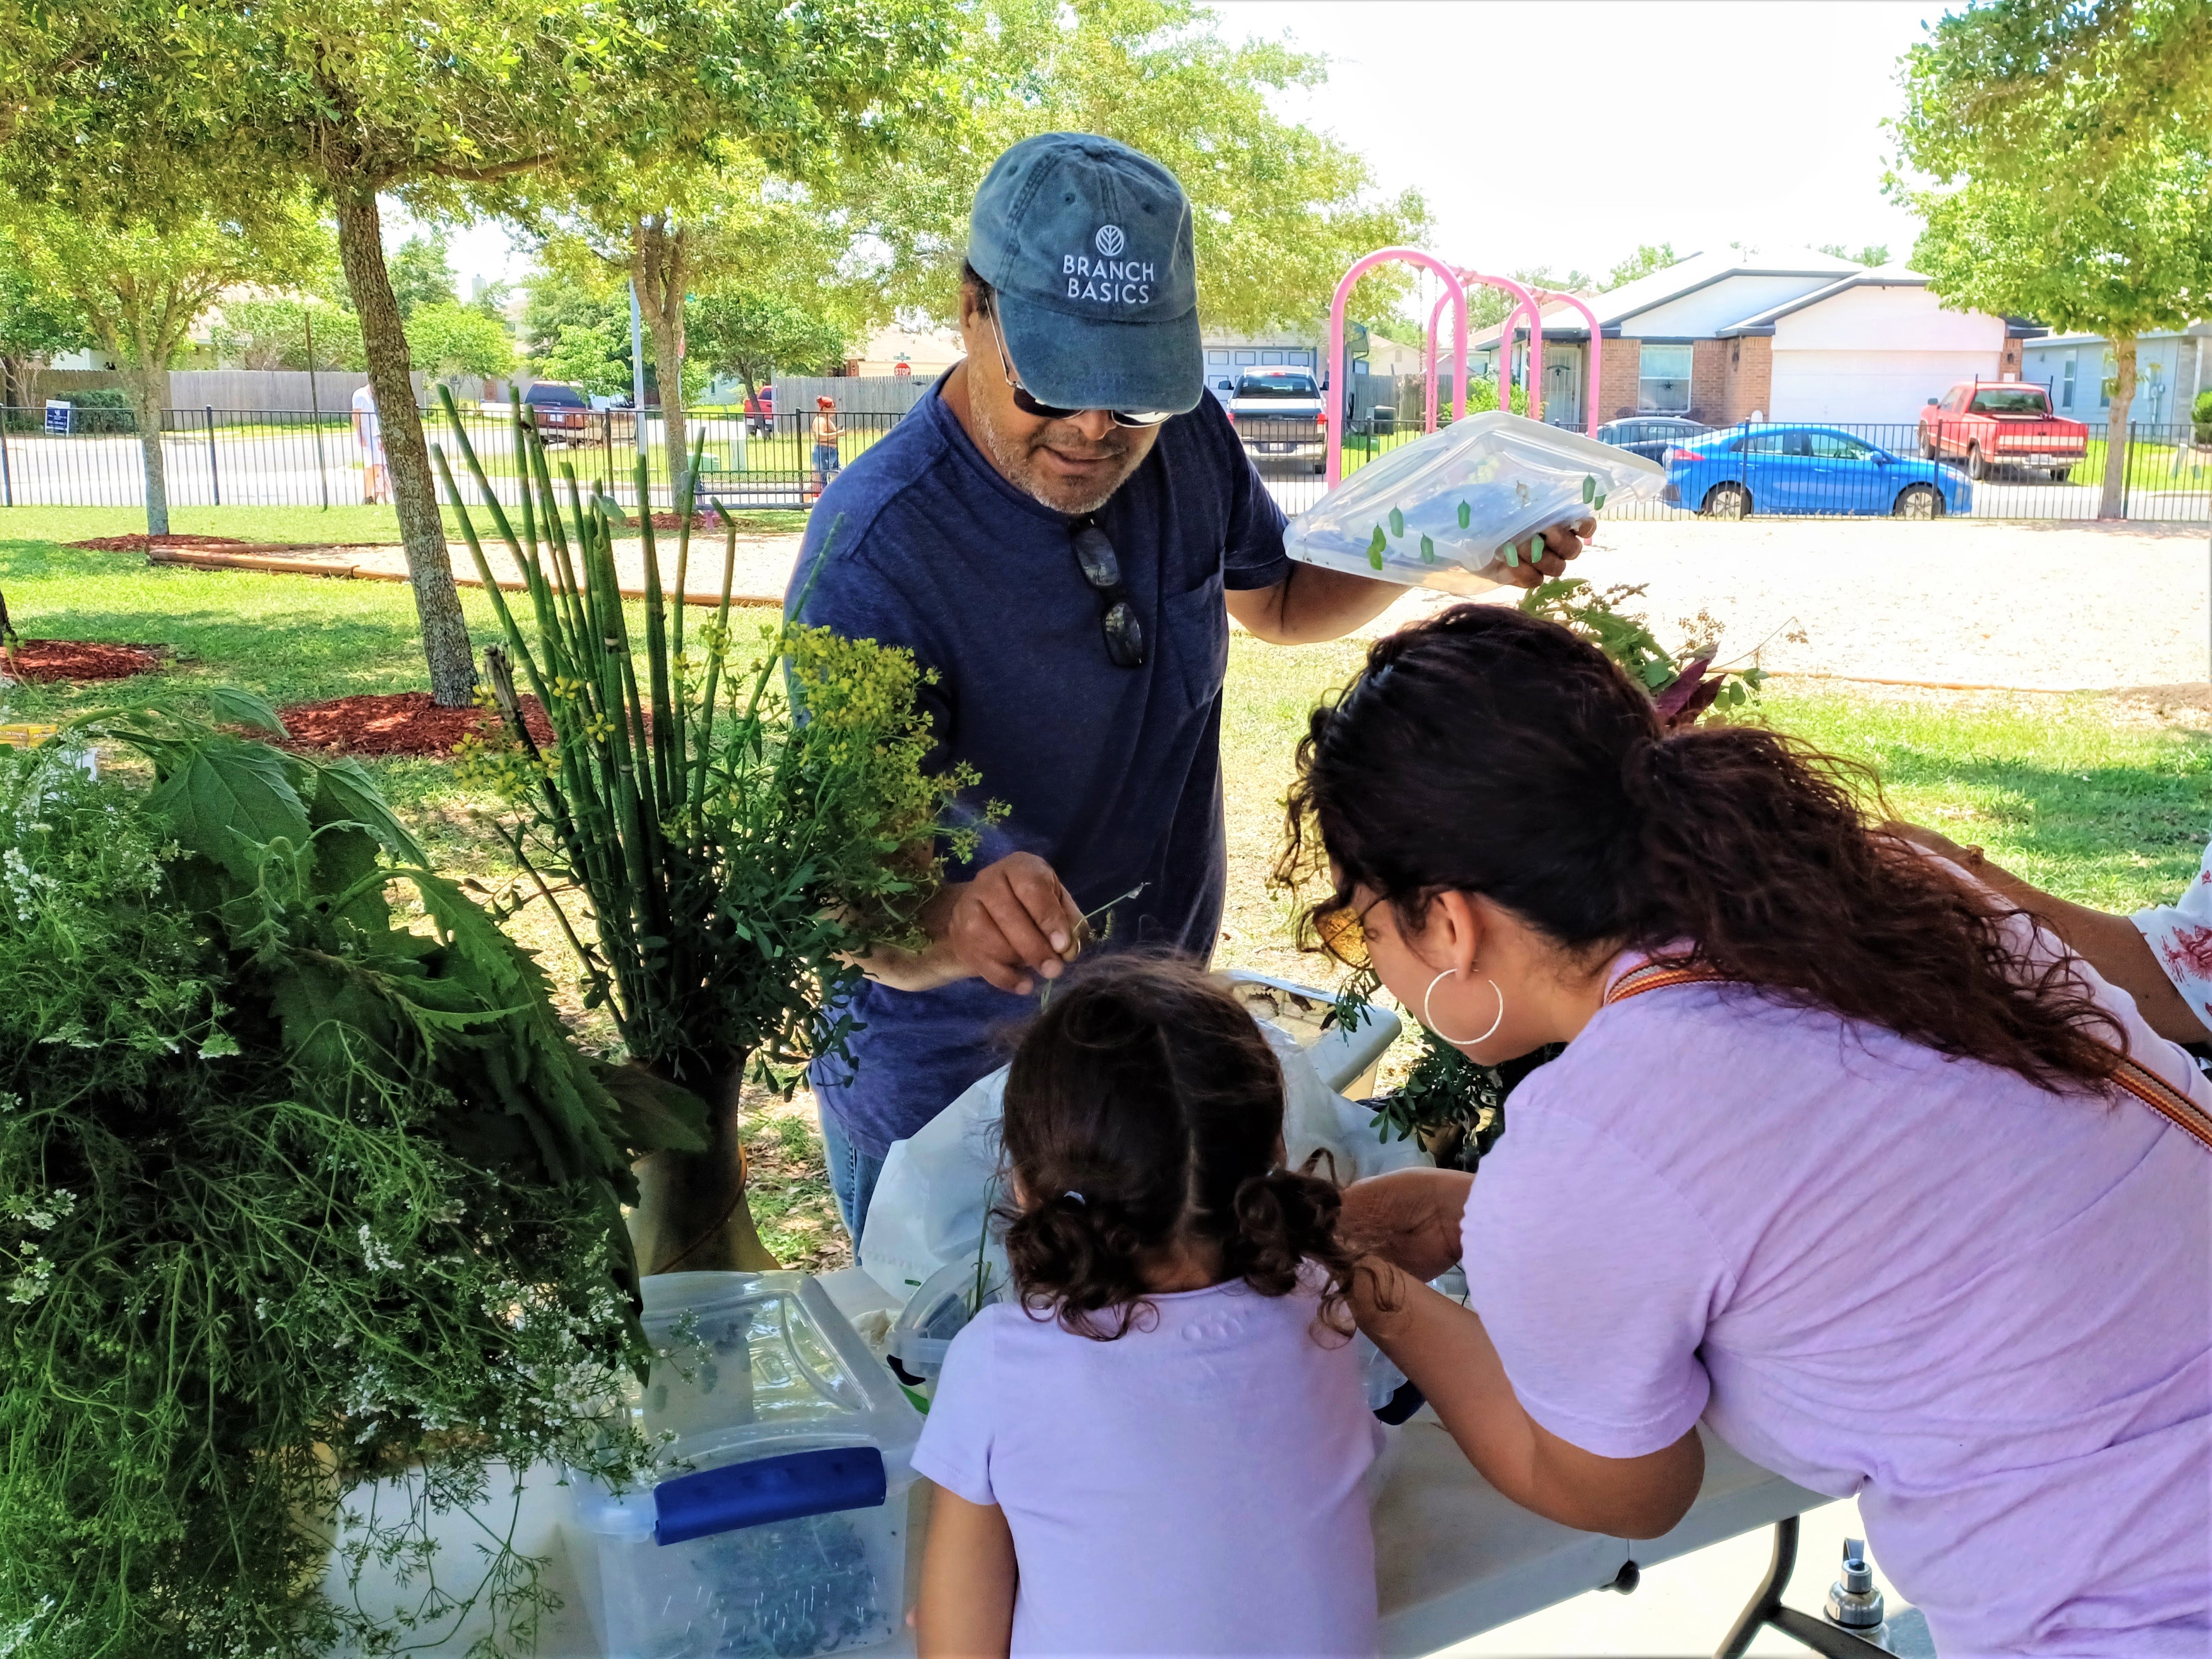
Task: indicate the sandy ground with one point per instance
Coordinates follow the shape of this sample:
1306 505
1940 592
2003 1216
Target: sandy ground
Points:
2034 606
2037 606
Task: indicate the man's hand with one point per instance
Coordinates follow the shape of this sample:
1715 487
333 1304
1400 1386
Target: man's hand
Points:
1562 541
1011 925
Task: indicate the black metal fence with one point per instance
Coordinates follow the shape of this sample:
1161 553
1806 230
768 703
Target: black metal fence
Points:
214 457
1789 470
261 457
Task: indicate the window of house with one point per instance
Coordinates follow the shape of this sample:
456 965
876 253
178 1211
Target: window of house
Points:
1663 382
2066 387
2111 383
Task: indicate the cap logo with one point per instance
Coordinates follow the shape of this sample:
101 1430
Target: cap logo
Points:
1109 241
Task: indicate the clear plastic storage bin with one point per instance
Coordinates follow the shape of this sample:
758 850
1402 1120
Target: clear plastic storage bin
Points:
776 1528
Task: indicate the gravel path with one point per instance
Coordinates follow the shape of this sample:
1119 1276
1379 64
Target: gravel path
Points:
2034 607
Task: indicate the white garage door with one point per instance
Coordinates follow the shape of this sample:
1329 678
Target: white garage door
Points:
1866 388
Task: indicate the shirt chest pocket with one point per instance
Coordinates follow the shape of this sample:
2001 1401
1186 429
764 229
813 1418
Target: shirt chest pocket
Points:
1194 647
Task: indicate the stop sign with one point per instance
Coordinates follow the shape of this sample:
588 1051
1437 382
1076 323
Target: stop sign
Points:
902 367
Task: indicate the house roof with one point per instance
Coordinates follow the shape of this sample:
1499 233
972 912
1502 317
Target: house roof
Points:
1699 271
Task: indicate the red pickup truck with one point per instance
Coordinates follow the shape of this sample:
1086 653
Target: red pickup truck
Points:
1992 423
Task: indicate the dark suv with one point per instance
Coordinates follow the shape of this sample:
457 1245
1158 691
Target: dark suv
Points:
1649 435
562 411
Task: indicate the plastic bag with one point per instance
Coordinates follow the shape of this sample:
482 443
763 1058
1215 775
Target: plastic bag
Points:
930 1201
1458 508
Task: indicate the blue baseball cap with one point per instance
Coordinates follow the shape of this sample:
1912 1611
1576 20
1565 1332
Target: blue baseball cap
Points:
1086 244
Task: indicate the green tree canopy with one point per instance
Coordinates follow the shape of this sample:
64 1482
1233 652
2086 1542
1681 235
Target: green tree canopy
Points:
751 335
1869 254
1649 257
450 341
421 274
1280 210
141 287
2006 232
137 106
36 322
278 331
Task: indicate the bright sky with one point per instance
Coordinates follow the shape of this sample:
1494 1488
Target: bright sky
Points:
1696 122
1679 121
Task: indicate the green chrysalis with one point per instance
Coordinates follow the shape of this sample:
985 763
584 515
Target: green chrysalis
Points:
1512 556
1465 514
1397 522
1597 505
1428 552
1375 549
1589 488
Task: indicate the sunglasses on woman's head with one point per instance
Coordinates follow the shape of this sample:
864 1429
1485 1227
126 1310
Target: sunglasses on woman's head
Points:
1342 931
1138 418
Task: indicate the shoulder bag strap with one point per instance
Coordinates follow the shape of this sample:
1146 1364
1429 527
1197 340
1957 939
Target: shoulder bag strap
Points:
2138 1079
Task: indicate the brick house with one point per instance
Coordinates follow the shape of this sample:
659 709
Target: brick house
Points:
1722 338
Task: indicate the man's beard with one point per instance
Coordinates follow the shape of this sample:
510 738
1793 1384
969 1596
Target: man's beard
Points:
1016 459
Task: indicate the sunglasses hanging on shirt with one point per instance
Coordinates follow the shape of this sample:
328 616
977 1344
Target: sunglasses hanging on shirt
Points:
1125 635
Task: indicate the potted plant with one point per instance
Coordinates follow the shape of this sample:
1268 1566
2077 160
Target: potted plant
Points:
295 1192
741 822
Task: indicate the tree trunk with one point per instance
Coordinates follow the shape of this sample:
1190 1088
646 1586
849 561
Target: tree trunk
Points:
147 390
2113 503
15 374
660 268
691 1215
407 456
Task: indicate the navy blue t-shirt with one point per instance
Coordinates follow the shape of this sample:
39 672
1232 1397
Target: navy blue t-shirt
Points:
1112 776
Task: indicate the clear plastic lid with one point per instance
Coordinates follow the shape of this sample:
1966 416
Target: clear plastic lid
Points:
749 1366
1459 508
939 1311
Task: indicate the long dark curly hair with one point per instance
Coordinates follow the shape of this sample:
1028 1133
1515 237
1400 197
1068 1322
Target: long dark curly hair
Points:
1144 1111
1486 751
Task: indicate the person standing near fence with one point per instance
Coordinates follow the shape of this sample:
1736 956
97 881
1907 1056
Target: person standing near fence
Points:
827 432
368 435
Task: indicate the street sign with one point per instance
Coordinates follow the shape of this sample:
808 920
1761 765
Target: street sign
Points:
59 414
903 367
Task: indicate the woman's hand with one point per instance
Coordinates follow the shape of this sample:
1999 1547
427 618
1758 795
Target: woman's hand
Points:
1562 541
1409 1218
1444 1350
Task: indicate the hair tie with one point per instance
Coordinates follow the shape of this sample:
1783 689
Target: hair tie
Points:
1078 1197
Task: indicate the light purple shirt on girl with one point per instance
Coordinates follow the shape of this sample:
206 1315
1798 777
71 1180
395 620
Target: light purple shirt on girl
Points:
1195 1487
1985 1309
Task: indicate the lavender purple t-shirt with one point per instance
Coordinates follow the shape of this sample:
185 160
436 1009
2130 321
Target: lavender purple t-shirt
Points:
1195 1487
1985 1309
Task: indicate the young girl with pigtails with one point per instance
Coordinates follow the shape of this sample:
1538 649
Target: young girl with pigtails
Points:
1160 1446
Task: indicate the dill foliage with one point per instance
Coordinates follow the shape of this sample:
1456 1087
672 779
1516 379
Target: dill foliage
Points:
293 1195
744 821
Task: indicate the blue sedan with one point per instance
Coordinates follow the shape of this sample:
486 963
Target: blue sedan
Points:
1742 470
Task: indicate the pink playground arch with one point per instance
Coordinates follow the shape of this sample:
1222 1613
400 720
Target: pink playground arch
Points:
1591 416
1527 304
1453 291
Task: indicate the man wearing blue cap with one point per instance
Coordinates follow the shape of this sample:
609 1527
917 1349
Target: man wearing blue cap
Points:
1062 530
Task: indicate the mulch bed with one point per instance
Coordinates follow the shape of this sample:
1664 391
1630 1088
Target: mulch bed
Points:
77 659
397 723
145 543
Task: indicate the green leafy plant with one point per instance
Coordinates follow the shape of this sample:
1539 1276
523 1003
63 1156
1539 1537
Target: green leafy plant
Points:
742 824
297 1191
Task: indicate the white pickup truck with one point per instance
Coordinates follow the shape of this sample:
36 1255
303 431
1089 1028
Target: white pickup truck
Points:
1281 416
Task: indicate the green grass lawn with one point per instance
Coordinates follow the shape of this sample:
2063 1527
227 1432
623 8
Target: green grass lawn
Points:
306 526
2102 800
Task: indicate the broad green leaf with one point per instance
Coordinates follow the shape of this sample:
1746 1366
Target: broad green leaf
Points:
245 708
228 796
655 1113
344 792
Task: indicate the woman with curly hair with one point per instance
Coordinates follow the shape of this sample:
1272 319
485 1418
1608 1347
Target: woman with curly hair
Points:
1845 1158
1160 1446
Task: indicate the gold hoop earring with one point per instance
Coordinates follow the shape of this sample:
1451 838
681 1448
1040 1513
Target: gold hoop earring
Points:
1462 1043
